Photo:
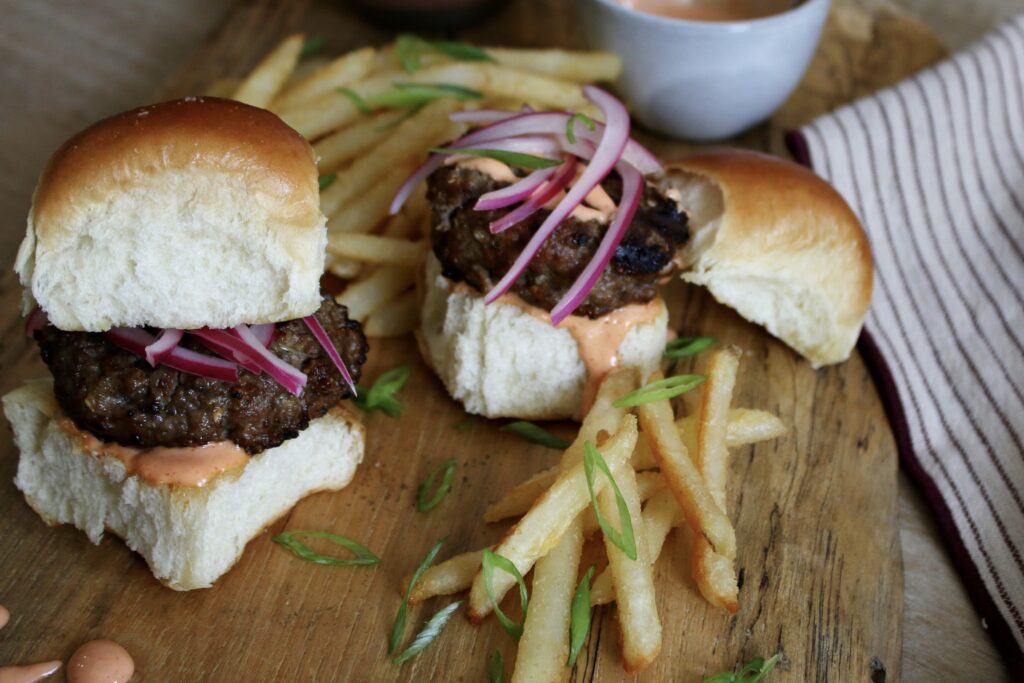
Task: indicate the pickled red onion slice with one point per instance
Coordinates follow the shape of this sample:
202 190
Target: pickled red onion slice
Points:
36 320
179 358
565 174
163 345
291 378
264 332
227 346
516 192
325 341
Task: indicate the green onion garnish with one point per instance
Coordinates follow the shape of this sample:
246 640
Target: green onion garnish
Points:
538 435
430 631
753 672
312 45
580 624
406 95
582 118
624 539
510 158
409 48
669 387
464 425
362 555
496 669
326 179
381 396
688 346
361 104
490 562
399 627
446 468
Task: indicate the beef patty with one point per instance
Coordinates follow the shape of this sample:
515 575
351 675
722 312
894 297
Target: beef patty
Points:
118 397
469 252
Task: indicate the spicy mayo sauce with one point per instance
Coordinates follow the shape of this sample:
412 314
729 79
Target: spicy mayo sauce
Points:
100 661
711 10
30 673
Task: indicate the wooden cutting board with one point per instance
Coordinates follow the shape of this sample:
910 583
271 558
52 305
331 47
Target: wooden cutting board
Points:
815 512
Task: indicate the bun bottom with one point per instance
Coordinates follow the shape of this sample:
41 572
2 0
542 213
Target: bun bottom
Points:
500 361
189 536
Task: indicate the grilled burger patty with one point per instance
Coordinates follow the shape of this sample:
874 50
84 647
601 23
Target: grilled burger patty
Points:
118 397
469 252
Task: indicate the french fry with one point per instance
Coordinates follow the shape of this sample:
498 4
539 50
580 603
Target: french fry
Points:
577 66
394 320
223 87
501 81
661 515
544 645
639 624
368 294
344 268
376 249
264 81
405 146
372 207
702 512
542 527
343 146
448 577
342 72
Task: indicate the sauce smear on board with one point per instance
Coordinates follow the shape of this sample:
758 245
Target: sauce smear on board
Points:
100 661
30 673
711 10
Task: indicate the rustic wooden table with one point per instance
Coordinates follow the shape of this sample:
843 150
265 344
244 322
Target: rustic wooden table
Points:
65 64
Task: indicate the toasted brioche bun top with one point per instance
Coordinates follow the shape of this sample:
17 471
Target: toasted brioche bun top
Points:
199 211
779 245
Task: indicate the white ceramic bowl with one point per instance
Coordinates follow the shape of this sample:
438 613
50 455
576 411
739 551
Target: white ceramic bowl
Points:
703 80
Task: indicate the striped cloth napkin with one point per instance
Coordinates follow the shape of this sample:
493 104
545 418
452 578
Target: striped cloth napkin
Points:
934 167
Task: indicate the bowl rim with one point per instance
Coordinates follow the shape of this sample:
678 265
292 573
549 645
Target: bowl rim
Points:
768 22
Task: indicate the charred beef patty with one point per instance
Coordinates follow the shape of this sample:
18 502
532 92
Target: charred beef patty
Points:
469 252
118 397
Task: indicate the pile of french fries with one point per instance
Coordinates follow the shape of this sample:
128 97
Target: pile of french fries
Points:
367 157
670 473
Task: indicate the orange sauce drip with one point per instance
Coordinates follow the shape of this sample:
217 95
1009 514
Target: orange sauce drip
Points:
195 466
5 616
100 661
711 10
30 673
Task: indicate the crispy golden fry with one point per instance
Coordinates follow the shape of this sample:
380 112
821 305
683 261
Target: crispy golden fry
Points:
451 576
746 426
223 87
547 92
345 268
661 515
639 624
369 293
342 72
542 527
413 221
395 319
715 576
341 147
711 455
578 66
376 249
372 207
406 145
702 513
264 82
544 645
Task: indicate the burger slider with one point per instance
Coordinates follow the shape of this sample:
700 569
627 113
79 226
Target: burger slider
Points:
171 269
551 234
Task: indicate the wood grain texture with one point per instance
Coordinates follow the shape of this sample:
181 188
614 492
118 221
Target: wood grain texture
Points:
815 512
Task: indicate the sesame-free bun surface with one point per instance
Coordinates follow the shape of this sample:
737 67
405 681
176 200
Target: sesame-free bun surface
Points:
778 244
190 213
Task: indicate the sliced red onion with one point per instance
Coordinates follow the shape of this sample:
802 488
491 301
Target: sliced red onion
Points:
214 340
420 174
36 320
179 358
516 192
609 150
632 191
530 144
566 172
325 341
265 332
162 346
291 378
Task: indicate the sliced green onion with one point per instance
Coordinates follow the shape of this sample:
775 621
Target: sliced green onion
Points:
624 540
357 99
446 468
464 425
430 631
538 435
669 387
688 346
582 118
363 556
511 158
311 46
496 669
490 562
381 396
753 672
405 95
399 627
580 624
409 48
326 180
